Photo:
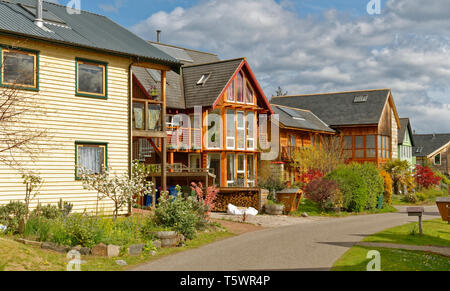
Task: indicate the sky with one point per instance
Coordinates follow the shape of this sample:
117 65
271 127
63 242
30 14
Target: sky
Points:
315 46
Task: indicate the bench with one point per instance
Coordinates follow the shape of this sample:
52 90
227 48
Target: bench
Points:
417 211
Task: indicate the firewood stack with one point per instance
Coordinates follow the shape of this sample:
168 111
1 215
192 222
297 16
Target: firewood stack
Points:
240 199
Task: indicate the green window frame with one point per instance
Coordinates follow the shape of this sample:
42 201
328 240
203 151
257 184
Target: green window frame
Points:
437 160
80 144
104 66
35 54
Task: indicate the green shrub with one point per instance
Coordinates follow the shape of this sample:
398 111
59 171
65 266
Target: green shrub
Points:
78 229
324 192
410 198
47 211
11 215
360 184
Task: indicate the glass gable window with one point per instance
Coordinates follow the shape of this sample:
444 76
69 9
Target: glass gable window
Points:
240 88
214 129
90 158
250 131
231 133
240 132
230 92
251 177
19 68
91 78
250 95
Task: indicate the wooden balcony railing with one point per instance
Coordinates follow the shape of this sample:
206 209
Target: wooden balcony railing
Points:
184 139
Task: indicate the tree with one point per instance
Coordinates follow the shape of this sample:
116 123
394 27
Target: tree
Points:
280 92
400 172
325 157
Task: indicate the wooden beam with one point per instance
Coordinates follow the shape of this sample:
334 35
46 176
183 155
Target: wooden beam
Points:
164 130
157 67
152 143
149 133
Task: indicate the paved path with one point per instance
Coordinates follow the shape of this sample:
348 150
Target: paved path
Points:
307 246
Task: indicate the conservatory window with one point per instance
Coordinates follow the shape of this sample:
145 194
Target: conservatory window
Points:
231 133
240 88
240 132
250 131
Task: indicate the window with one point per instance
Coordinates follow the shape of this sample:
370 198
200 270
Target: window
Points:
231 133
371 151
249 94
437 159
251 177
240 170
240 132
230 170
380 147
213 119
91 78
240 88
203 79
213 161
250 131
154 114
230 91
19 68
138 115
361 99
359 147
90 157
384 149
348 147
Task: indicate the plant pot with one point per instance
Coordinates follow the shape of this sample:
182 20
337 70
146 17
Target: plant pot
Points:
168 238
274 209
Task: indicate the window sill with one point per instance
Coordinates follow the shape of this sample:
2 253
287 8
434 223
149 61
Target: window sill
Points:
20 87
91 96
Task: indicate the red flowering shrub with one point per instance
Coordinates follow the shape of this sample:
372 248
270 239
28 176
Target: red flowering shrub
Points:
310 176
209 199
425 177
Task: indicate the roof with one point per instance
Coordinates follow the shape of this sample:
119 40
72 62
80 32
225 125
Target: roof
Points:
87 30
174 94
301 119
340 108
427 144
205 95
405 125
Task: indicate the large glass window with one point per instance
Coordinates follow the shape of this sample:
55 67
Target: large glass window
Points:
194 161
240 88
251 177
240 170
154 114
230 171
371 151
91 78
214 129
231 91
90 158
359 147
250 131
213 161
231 130
19 68
240 130
348 147
250 95
138 115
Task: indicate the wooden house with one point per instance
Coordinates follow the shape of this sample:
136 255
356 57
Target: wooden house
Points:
367 120
81 75
434 150
212 125
406 142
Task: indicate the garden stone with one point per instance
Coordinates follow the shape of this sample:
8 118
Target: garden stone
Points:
29 242
121 263
55 247
304 214
85 251
135 250
153 253
113 251
181 238
100 250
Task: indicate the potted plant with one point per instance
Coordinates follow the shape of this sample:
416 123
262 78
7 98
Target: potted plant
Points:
274 208
153 91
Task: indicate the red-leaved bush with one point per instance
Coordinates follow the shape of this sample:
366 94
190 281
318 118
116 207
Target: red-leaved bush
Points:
209 199
425 177
310 176
324 192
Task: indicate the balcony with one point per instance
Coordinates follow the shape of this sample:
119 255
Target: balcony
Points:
147 119
184 139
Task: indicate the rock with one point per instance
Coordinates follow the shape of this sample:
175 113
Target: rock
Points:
181 238
29 242
85 251
113 251
100 250
135 250
153 253
55 247
304 214
121 263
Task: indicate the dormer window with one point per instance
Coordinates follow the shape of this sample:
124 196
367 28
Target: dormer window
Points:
203 79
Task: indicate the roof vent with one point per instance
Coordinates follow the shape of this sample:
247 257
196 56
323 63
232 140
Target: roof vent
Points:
39 21
361 99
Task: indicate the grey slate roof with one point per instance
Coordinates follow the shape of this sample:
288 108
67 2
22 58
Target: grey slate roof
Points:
205 95
337 109
428 143
406 125
310 121
87 30
174 95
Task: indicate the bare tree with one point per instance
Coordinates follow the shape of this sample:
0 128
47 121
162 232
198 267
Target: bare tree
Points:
280 92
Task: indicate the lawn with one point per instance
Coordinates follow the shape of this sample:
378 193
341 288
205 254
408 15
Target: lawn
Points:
392 260
436 233
424 197
313 209
15 256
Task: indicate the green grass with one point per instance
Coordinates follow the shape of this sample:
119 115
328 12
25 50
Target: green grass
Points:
435 233
15 256
425 197
392 260
313 209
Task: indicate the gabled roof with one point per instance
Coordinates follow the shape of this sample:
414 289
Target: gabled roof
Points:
87 30
341 108
428 144
405 126
300 119
206 95
174 95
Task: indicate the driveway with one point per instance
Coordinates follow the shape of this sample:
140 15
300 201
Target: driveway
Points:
315 245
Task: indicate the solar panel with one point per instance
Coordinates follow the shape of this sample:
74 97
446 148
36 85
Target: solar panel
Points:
46 15
293 113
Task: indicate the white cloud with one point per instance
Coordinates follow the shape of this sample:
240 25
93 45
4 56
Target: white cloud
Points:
406 48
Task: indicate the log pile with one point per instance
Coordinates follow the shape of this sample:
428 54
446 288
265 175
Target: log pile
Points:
239 199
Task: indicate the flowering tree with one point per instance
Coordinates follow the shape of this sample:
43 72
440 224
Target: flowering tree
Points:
425 177
121 189
209 199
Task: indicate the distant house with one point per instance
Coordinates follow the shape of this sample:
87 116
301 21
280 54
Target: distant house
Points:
433 149
298 129
406 142
367 120
78 68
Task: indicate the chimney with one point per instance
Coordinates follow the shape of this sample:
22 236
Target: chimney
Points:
158 35
39 21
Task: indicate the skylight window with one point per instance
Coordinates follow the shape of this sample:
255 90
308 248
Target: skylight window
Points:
361 99
295 114
419 149
203 79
